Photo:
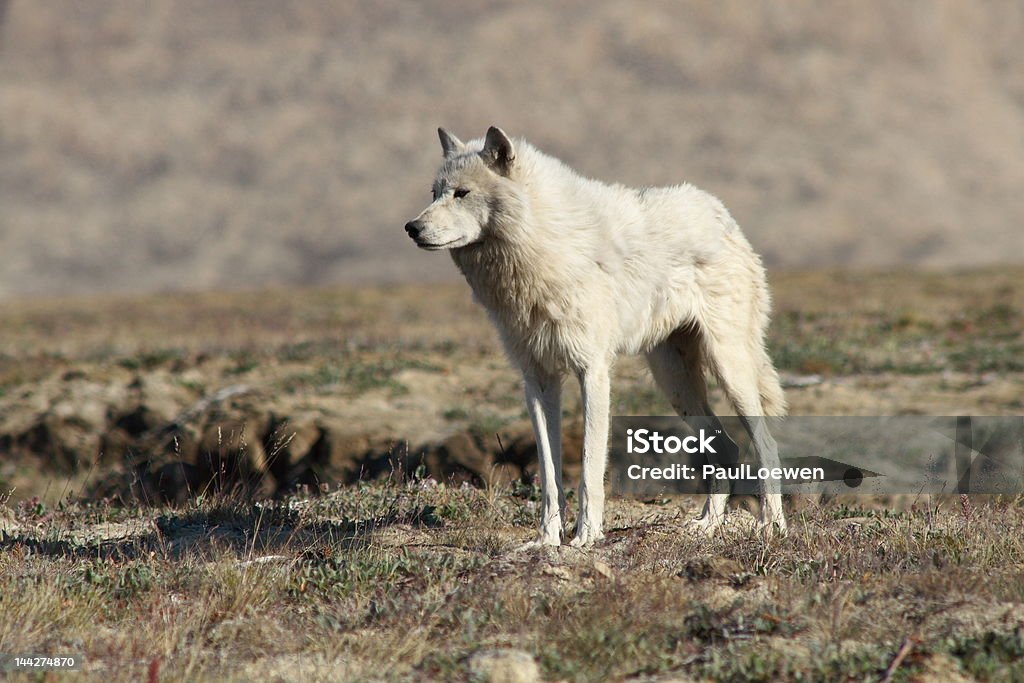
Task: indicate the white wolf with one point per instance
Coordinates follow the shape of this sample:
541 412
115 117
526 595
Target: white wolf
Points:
573 271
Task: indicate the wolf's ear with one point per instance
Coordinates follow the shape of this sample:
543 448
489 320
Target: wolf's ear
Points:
498 152
450 144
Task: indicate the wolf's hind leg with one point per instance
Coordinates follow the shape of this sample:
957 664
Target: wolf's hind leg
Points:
738 367
677 365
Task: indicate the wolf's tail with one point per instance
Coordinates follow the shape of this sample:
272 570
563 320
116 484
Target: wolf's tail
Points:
773 400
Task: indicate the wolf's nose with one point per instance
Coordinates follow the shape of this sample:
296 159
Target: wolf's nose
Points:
413 229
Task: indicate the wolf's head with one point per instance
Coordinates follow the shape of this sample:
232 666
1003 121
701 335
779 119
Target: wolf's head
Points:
466 191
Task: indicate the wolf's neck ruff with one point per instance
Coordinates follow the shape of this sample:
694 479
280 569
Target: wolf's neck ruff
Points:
529 305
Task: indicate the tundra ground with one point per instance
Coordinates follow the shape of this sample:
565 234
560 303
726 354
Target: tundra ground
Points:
413 578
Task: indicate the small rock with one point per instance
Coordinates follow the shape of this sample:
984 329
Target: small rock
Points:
559 572
504 666
797 381
603 569
266 559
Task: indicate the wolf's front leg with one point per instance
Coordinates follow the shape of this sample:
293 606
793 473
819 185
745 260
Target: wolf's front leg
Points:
543 402
594 385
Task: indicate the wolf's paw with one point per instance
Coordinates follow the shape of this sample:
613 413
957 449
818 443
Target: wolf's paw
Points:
542 541
585 538
529 546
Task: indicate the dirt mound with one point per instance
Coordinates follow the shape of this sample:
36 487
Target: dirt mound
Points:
269 456
232 442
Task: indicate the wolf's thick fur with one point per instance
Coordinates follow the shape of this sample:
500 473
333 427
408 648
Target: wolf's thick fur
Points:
573 271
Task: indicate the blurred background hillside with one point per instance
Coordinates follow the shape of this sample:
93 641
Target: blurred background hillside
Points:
207 145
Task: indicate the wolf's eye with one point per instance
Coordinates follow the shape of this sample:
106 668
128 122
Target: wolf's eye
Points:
460 193
433 193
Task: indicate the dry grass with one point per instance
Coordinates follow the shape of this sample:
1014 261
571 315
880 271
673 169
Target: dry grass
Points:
405 582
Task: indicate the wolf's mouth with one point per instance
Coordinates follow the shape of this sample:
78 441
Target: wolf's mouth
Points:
430 246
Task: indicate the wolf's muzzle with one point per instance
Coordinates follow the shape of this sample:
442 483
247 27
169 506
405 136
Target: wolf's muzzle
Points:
413 229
